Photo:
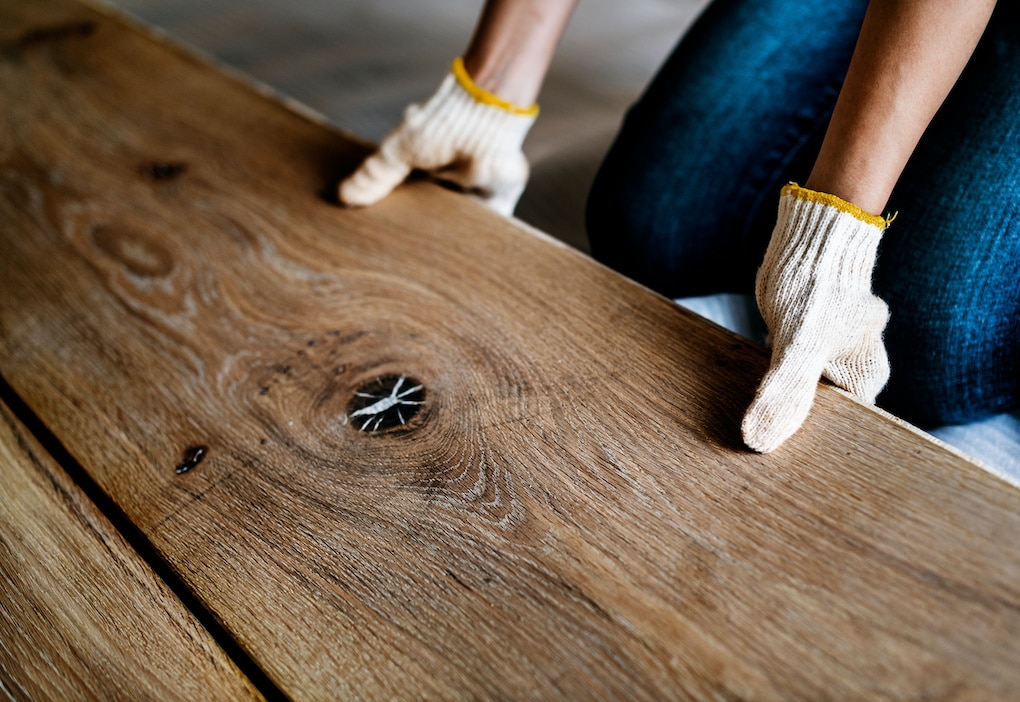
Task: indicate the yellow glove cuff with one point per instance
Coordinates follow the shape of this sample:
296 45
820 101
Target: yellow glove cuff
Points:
484 96
800 193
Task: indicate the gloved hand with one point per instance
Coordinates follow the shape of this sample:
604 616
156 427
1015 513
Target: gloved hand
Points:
814 292
463 134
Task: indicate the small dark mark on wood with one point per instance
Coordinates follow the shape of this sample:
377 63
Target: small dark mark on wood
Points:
262 442
56 32
594 606
351 337
162 171
193 455
301 352
457 580
264 391
283 369
311 342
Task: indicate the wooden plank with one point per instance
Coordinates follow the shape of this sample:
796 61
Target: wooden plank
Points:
569 513
81 614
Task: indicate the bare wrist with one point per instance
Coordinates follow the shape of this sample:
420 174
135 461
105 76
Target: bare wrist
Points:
513 45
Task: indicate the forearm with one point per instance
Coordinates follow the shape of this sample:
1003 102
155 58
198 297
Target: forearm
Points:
908 56
513 46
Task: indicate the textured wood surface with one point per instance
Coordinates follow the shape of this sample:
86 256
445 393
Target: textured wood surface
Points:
81 615
568 512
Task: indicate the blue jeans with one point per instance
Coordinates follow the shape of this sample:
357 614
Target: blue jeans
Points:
686 199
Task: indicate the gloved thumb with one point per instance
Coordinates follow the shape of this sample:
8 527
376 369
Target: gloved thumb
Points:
783 400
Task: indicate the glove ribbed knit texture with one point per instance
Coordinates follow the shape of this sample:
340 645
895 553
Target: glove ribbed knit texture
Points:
461 136
814 292
478 128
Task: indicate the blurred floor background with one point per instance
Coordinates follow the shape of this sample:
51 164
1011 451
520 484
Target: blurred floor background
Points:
360 63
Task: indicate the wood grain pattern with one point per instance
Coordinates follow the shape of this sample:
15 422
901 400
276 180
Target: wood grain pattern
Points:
81 615
569 515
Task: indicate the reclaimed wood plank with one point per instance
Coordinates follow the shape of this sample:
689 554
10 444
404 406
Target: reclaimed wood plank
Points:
81 614
567 513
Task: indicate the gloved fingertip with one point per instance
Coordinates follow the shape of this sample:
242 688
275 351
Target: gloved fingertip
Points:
780 407
762 431
375 179
351 193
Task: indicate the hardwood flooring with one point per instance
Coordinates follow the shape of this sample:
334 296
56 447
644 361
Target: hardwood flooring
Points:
560 509
82 615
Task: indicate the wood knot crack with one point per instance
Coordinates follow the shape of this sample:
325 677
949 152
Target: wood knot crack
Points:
162 171
388 401
193 455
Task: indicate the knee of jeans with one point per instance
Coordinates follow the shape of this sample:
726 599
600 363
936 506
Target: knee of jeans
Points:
949 372
620 227
609 212
668 236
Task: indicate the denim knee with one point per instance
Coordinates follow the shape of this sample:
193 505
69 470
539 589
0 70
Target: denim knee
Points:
673 237
646 225
950 267
686 198
617 221
952 369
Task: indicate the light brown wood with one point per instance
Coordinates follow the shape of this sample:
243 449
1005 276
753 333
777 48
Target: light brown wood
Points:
569 514
81 615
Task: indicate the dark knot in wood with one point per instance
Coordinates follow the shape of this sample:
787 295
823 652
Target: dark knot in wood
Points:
193 455
163 170
388 401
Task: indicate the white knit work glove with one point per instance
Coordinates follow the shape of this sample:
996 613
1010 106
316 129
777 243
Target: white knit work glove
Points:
814 292
462 134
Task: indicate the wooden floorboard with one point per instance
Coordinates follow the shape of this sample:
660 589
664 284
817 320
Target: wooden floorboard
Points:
563 509
81 614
